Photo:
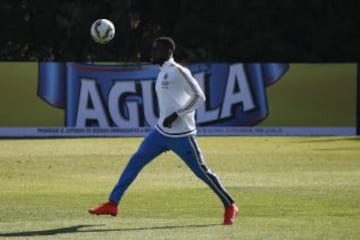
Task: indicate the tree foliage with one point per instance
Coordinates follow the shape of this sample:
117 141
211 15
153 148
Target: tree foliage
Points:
212 30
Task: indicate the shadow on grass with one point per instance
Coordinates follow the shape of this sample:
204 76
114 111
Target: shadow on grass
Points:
78 229
72 229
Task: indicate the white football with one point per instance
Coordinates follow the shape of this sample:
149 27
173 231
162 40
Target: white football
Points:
102 31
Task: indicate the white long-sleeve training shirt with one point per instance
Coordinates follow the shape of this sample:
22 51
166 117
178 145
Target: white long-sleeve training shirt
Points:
177 91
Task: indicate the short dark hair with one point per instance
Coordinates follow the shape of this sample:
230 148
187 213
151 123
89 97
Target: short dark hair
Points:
167 42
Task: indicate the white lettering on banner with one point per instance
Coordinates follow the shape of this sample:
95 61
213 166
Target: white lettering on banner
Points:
115 104
243 95
148 102
131 104
89 92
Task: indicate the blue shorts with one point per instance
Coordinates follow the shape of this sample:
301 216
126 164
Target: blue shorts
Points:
185 147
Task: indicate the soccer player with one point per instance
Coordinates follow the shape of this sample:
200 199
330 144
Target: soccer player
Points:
178 96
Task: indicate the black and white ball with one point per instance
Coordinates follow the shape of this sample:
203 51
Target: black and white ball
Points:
102 31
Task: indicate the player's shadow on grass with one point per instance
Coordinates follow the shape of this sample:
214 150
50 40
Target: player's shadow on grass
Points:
72 229
79 229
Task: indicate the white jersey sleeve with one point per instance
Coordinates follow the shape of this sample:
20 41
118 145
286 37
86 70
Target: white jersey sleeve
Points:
193 89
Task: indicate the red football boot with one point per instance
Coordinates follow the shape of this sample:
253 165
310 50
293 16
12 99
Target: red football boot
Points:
230 214
108 208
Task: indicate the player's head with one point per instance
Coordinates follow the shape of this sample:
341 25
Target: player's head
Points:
162 49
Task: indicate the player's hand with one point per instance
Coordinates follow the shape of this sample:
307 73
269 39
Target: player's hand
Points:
170 119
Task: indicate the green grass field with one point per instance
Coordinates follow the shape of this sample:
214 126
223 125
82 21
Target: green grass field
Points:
286 187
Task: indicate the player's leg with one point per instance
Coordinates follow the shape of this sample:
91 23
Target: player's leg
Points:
150 148
188 149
